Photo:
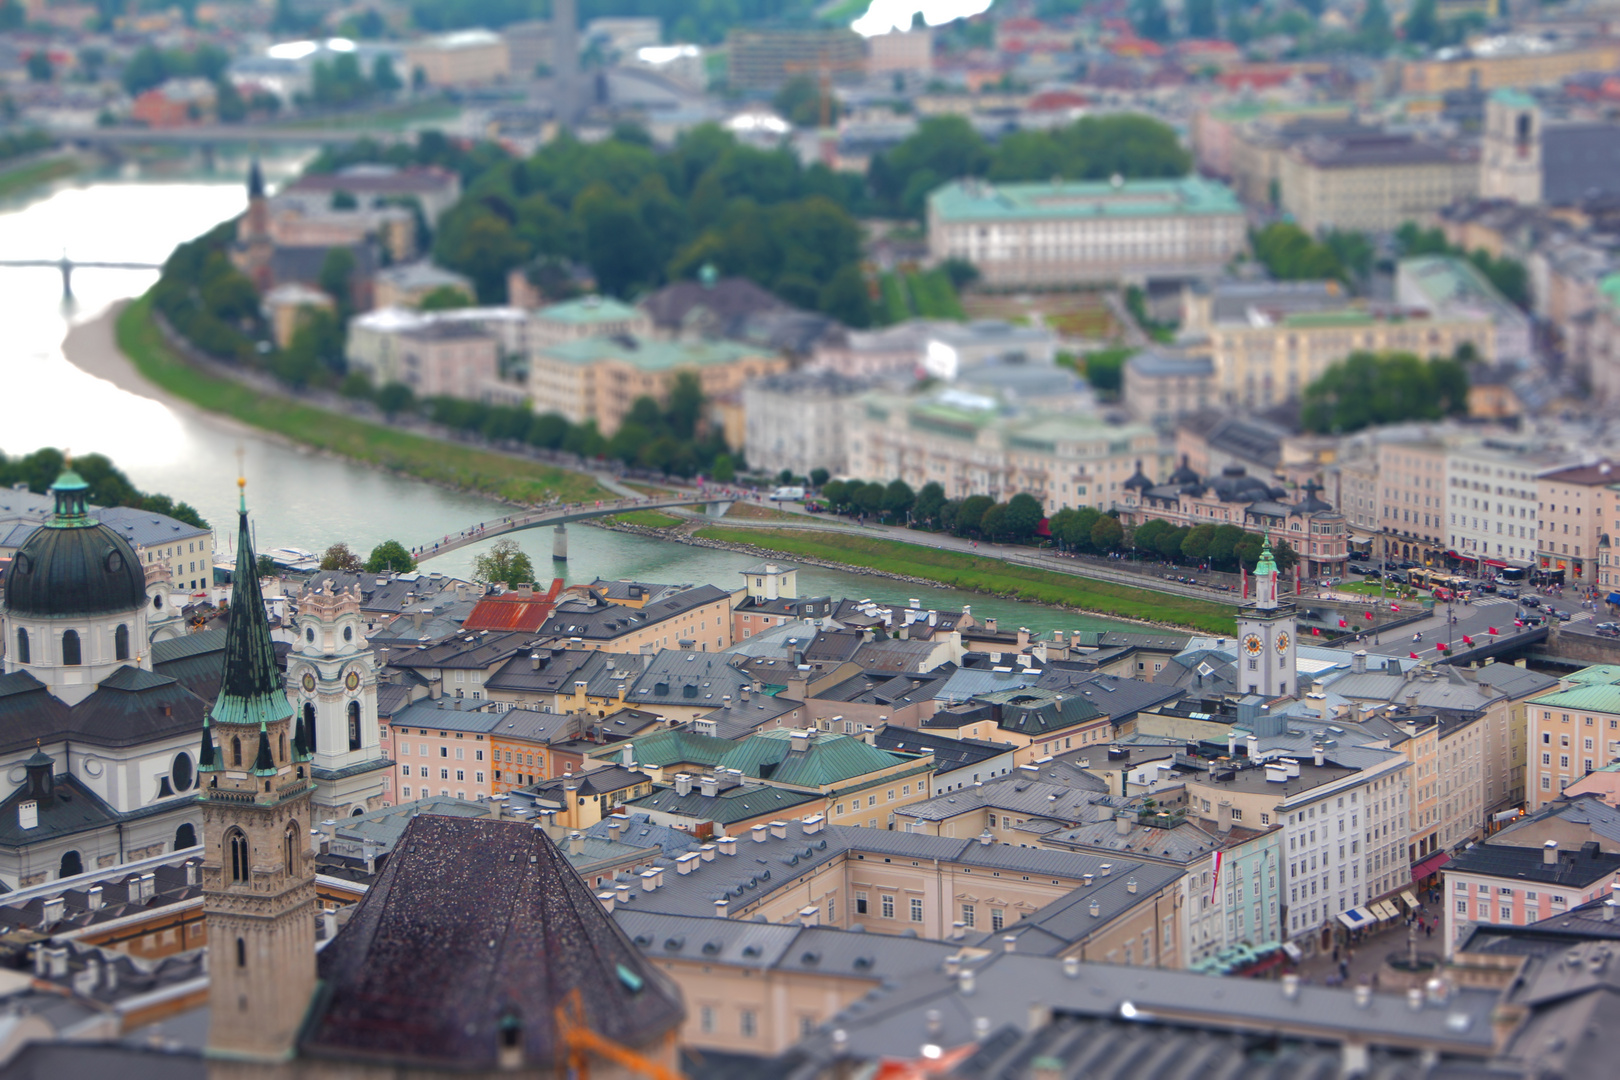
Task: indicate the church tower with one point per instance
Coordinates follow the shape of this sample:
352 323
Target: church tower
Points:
1266 630
258 874
253 244
334 679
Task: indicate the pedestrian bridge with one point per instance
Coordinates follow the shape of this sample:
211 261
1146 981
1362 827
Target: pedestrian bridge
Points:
558 515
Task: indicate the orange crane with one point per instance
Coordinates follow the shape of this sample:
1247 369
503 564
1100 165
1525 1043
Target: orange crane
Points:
824 65
578 1040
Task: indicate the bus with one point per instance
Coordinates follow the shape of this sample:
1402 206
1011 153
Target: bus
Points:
1425 577
1510 575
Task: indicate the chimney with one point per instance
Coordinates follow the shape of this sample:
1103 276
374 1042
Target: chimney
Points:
51 914
28 814
1358 662
683 785
707 852
1130 886
1223 816
1105 869
146 886
1411 702
1122 823
1009 943
1085 881
1254 747
329 926
720 907
623 893
779 829
576 844
1071 967
92 898
964 982
685 864
1549 853
986 838
760 833
1095 909
1319 756
809 916
614 825
710 786
606 900
813 824
728 845
1290 985
799 741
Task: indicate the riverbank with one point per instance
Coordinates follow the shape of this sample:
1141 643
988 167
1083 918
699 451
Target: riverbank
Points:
37 172
899 561
135 336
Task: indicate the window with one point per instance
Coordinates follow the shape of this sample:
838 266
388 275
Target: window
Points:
354 725
121 642
289 842
70 648
236 852
888 907
916 910
72 865
241 953
998 918
860 903
746 1024
22 647
967 916
236 751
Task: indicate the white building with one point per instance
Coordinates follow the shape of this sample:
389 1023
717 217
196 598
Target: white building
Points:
795 421
1452 288
1491 501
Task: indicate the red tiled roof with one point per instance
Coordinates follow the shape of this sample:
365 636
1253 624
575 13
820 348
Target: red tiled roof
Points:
513 611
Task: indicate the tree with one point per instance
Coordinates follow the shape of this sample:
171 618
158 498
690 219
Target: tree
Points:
724 470
390 555
383 76
1075 532
1284 555
266 566
339 557
445 298
1106 534
1105 369
394 398
1170 542
836 493
1145 537
504 563
898 498
1023 516
993 523
1223 546
970 513
871 497
1201 19
1291 254
930 500
1195 547
845 298
335 279
1422 23
819 477
1374 29
1384 388
961 272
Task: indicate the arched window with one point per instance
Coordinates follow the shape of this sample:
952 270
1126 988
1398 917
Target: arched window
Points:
236 853
70 648
180 771
354 725
241 953
185 836
121 642
290 844
309 725
22 647
283 740
236 751
157 602
348 633
309 633
72 865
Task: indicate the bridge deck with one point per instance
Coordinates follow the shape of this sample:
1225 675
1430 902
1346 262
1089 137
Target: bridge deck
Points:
547 516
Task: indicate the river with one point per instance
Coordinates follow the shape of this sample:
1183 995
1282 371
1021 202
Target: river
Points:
297 498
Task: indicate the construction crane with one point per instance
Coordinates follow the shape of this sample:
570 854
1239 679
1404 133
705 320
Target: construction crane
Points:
824 66
578 1040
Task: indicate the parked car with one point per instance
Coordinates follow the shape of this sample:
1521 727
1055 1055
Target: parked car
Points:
1562 616
1396 576
1485 587
1507 592
1329 582
1611 626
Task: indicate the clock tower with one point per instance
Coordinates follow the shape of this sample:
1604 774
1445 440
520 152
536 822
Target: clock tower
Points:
1266 630
333 676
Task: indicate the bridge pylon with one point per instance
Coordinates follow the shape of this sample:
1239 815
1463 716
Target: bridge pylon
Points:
559 542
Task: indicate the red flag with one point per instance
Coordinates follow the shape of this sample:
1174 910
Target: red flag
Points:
1394 607
1467 640
1518 622
1368 614
1439 646
1490 630
1413 655
1316 631
1342 623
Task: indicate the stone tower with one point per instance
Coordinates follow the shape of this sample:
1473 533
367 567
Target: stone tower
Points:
1266 631
334 680
254 247
258 874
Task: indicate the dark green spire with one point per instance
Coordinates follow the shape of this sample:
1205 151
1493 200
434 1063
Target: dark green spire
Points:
251 690
255 181
265 763
207 757
301 750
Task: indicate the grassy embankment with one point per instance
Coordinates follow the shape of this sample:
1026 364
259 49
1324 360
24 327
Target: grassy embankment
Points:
371 444
647 519
987 575
18 180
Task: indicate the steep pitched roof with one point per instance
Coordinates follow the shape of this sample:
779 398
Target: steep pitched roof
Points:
251 690
444 949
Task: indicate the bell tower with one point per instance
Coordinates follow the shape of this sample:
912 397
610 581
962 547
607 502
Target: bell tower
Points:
1266 631
258 874
334 689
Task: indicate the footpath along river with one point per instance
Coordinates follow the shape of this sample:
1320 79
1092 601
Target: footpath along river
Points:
80 393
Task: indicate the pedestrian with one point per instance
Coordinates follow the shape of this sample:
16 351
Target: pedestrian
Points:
1335 954
1344 969
1428 931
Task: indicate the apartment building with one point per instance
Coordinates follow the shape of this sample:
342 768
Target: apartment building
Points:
1507 61
1574 512
1161 389
598 379
795 421
440 749
1541 151
1493 503
460 58
1573 731
1080 232
970 445
1412 490
764 59
1451 289
1514 886
676 617
1373 181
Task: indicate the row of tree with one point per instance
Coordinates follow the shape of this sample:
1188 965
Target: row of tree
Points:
1220 547
108 485
1292 254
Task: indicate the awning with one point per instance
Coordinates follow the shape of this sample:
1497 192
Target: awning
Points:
1428 866
1294 952
1357 918
1385 910
1613 598
1498 563
1411 901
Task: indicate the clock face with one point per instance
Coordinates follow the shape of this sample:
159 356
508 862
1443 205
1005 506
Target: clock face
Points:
1282 641
353 681
1252 645
309 683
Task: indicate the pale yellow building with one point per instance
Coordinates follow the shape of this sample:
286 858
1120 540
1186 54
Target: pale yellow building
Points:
1373 181
1505 67
462 58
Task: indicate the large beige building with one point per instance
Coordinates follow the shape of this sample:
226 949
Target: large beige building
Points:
1078 232
599 379
1574 504
1503 62
1373 182
1412 500
1573 731
462 58
969 446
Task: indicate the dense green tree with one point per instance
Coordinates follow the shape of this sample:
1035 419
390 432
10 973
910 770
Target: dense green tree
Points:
39 66
1290 253
1023 516
836 492
970 513
869 498
336 278
1422 26
315 353
1373 29
1223 547
504 563
993 522
1105 369
394 398
1195 545
898 499
819 476
799 102
1107 535
390 555
1384 388
724 470
1284 555
845 298
1145 537
930 501
445 298
339 557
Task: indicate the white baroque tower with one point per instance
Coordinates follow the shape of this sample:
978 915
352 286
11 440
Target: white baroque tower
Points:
332 677
1267 628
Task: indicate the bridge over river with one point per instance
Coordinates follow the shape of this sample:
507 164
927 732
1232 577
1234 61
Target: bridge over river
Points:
557 517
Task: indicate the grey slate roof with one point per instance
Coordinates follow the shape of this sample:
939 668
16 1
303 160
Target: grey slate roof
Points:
1018 794
764 946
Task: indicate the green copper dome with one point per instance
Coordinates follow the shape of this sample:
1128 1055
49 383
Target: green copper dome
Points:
73 565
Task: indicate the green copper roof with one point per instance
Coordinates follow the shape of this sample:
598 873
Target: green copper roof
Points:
251 691
72 511
979 200
587 310
650 355
1266 565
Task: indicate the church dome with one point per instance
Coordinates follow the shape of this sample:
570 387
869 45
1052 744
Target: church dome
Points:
74 565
